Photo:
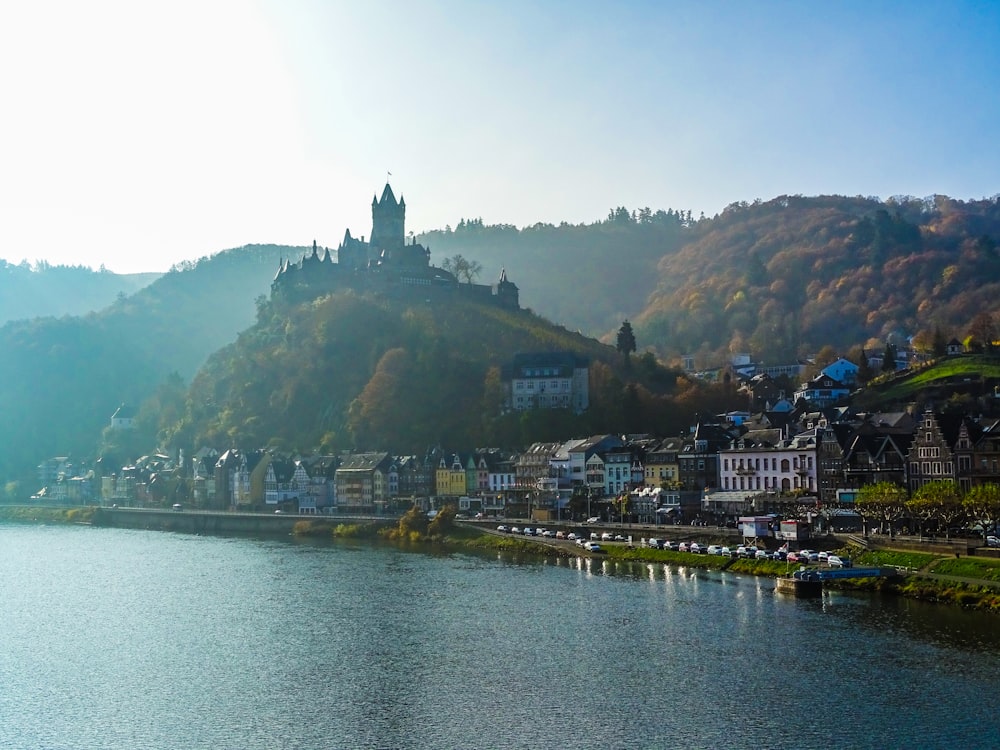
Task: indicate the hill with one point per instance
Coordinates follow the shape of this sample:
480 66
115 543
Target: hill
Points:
966 382
350 370
785 277
62 378
588 276
44 290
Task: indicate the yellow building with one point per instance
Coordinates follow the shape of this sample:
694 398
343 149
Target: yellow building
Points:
660 468
450 477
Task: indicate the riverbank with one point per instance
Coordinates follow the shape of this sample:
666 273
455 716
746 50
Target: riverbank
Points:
969 582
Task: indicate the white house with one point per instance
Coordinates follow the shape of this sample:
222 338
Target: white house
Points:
760 466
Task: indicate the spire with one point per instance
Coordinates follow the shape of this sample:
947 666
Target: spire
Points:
387 196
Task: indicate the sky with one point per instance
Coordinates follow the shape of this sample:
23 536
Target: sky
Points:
137 135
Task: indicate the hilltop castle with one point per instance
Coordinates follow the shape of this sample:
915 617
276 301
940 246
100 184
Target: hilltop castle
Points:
385 264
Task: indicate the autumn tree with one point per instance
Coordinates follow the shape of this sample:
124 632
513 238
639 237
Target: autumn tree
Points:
982 332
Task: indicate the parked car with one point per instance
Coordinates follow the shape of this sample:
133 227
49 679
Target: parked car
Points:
993 541
670 545
763 554
501 528
654 543
592 519
572 536
606 537
822 556
836 561
515 530
683 547
726 552
560 535
593 547
714 549
793 557
696 548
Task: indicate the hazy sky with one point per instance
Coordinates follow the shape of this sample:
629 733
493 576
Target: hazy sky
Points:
140 134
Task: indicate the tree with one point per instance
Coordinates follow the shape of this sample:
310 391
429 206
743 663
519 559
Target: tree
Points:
982 503
982 331
857 356
463 268
884 501
889 358
626 340
937 501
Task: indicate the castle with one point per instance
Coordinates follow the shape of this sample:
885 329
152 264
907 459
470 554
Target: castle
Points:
385 264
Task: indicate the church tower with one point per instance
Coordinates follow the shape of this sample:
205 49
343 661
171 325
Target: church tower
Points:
388 221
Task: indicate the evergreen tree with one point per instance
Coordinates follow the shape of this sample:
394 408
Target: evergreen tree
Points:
626 339
889 358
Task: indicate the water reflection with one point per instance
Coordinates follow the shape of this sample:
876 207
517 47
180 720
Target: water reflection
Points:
283 645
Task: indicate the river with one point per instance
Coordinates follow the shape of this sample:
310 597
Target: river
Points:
119 639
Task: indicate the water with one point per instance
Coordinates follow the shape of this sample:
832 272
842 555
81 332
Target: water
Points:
130 639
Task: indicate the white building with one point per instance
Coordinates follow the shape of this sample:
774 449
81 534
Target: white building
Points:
757 465
547 380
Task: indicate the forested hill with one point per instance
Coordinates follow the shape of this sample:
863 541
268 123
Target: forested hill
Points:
374 373
588 277
62 378
40 290
793 274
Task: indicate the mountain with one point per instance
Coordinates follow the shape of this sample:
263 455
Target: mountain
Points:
45 290
788 276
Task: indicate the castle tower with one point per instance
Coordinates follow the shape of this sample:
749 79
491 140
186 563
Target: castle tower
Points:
388 222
